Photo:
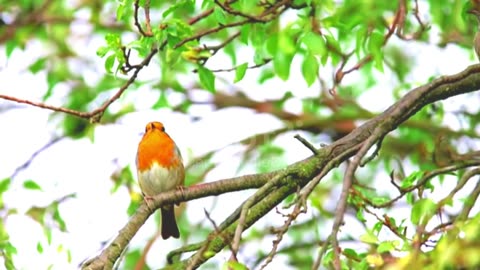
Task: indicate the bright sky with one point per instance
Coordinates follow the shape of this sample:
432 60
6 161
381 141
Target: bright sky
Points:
84 168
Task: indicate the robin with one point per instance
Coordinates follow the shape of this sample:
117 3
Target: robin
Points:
160 169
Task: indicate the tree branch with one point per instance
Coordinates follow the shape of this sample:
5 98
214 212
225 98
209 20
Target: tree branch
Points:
298 174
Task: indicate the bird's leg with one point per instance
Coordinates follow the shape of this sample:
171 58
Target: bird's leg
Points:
182 189
148 200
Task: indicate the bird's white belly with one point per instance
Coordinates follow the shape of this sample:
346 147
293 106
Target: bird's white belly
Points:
158 179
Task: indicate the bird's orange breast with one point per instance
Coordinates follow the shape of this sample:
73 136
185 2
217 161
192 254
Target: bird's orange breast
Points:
156 146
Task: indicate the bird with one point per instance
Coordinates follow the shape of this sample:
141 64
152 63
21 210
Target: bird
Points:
160 169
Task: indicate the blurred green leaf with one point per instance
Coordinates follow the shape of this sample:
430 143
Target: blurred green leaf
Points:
109 62
5 184
10 46
234 266
351 253
386 246
411 179
207 79
132 257
38 65
30 184
240 72
59 219
162 101
375 46
218 13
281 65
369 238
310 69
102 51
315 43
422 211
39 248
179 5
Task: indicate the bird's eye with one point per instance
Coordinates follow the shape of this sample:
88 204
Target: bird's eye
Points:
163 129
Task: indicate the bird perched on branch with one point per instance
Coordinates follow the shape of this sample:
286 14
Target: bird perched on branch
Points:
160 169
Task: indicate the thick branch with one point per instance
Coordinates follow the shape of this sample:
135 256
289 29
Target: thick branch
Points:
300 173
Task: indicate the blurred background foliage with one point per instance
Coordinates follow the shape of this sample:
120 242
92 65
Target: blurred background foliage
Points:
312 64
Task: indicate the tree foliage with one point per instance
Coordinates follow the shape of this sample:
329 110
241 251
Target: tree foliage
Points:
392 179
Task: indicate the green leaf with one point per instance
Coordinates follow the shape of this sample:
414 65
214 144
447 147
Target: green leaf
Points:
39 248
4 184
360 215
179 5
281 64
328 258
218 13
207 4
315 44
265 75
131 259
422 211
310 69
7 251
10 46
258 36
375 46
244 32
52 80
172 56
231 51
240 72
331 41
120 11
133 206
37 65
386 246
102 51
286 44
351 253
380 200
234 265
109 62
410 198
30 184
58 218
113 40
207 79
10 248
362 34
411 179
271 45
377 227
369 238
162 101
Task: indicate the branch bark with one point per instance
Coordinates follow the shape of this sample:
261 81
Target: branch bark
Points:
294 176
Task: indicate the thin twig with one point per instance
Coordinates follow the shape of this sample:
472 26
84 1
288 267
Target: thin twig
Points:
307 144
147 17
234 12
374 154
136 6
34 155
260 193
347 183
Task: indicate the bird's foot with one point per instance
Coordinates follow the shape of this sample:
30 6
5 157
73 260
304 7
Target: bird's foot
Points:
182 189
148 200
